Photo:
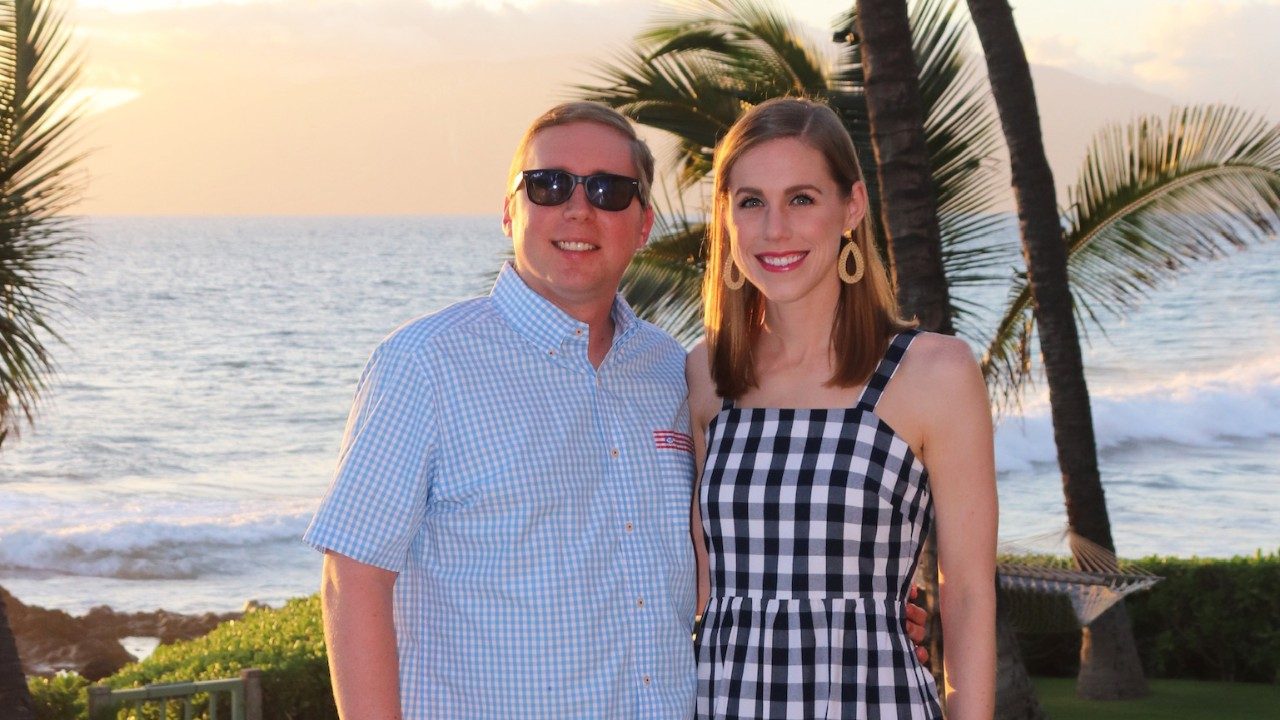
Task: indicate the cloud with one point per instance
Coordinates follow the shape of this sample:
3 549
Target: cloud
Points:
1192 51
328 107
1216 52
98 99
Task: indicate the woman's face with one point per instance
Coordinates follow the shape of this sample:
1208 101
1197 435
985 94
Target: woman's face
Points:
785 217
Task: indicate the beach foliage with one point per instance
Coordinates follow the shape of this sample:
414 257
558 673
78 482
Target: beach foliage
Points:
39 117
61 697
1209 619
38 183
286 644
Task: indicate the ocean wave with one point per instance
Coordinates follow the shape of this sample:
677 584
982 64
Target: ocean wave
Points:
143 540
1207 409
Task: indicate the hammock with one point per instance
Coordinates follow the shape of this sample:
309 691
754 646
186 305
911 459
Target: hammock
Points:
1036 577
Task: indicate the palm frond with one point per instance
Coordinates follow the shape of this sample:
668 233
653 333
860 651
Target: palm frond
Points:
699 66
38 183
760 45
962 133
685 96
664 281
1153 197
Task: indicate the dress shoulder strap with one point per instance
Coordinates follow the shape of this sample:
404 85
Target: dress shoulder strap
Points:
885 370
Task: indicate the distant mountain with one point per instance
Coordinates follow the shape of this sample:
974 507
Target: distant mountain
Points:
1073 109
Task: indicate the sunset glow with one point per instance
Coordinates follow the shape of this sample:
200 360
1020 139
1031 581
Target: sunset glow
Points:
338 106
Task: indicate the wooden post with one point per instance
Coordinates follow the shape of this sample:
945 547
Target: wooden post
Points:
99 700
252 678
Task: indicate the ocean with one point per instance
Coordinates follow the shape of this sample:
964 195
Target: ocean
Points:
209 364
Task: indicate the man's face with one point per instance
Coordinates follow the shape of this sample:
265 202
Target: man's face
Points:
574 254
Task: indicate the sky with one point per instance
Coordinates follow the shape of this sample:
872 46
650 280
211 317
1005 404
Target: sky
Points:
371 107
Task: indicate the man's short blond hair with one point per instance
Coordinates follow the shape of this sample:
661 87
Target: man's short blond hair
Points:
583 111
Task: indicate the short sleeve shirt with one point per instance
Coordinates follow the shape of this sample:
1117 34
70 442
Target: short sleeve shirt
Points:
535 507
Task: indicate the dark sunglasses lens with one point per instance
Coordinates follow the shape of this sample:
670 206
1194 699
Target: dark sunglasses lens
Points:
610 192
548 187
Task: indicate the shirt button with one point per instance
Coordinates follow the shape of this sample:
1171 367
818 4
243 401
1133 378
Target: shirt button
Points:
648 680
578 331
613 453
629 527
640 602
552 353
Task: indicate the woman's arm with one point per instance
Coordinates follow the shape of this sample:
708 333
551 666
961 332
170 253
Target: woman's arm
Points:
959 454
703 405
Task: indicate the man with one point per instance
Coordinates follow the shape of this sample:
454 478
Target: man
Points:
508 529
507 534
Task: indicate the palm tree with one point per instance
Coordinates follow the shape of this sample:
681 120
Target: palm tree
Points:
13 684
37 184
1153 197
907 206
1109 665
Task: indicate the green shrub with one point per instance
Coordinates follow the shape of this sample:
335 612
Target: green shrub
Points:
1209 619
287 645
61 697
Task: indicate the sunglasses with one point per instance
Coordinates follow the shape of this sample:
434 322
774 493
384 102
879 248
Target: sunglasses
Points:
554 187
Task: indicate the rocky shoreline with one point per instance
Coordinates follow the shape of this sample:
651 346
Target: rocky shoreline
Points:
52 640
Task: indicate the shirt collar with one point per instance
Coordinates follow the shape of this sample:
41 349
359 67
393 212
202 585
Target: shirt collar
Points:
541 322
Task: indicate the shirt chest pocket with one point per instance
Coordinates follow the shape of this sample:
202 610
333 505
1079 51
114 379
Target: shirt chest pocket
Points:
673 467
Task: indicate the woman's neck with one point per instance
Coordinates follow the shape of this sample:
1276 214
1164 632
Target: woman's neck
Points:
796 335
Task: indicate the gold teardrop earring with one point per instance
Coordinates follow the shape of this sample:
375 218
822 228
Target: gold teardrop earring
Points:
842 263
727 273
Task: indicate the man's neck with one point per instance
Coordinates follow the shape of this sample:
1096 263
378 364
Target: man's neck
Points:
600 335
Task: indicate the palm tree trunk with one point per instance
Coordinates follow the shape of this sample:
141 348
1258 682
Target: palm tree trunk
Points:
908 205
15 698
1015 695
908 210
1109 666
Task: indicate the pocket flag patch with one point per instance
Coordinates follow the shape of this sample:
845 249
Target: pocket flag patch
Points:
672 440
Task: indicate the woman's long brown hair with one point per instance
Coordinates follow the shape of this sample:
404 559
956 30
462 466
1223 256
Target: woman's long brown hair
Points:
866 312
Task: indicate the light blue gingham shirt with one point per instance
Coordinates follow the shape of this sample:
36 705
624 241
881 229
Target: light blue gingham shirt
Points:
536 509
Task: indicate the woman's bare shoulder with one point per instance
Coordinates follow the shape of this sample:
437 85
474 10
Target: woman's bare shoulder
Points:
942 376
939 358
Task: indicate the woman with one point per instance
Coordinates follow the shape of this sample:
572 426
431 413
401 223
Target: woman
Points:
833 435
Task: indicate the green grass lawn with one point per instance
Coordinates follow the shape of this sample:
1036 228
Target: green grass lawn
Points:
1181 699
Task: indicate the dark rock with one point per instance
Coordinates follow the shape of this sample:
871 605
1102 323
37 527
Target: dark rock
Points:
52 640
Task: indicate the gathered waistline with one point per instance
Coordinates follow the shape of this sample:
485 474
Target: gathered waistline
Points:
867 598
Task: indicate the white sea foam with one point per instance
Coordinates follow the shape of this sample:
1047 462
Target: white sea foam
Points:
1208 409
152 540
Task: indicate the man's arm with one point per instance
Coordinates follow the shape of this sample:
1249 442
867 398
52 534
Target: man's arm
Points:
361 637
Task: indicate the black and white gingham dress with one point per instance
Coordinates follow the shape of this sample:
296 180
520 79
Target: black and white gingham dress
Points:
813 522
